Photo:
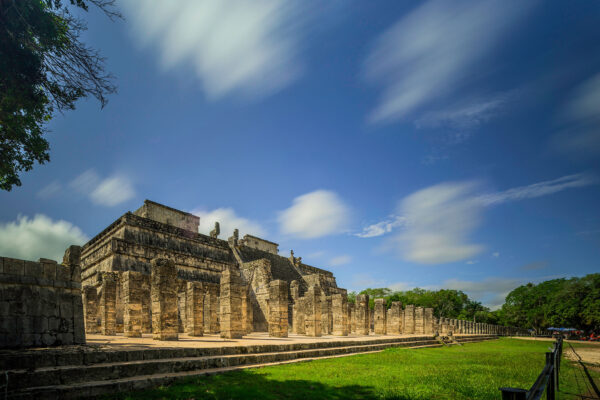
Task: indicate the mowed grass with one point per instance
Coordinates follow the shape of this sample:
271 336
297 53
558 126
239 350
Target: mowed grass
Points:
471 371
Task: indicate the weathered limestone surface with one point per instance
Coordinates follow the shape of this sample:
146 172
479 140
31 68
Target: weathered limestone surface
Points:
41 302
409 319
362 314
108 302
231 304
90 309
395 318
211 308
326 316
428 321
419 320
339 310
352 318
380 317
132 301
312 311
165 324
299 324
278 308
247 312
194 322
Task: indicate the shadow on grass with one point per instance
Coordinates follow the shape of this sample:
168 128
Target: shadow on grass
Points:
251 385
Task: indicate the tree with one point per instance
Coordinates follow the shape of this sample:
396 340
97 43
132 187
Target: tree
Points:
44 68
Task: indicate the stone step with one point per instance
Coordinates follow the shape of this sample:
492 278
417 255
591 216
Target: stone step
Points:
67 381
77 373
87 355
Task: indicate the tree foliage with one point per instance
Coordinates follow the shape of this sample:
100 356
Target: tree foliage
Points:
44 68
568 303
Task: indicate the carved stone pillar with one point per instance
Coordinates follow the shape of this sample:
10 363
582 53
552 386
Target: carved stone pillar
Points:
165 323
194 303
380 316
278 308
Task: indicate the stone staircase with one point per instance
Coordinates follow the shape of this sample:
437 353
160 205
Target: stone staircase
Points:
82 372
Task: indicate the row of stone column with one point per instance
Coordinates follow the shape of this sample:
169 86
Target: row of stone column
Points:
226 309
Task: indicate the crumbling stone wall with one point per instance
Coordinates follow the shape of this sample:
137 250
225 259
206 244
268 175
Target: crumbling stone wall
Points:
41 302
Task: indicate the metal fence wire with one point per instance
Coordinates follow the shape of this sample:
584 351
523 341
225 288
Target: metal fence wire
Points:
547 380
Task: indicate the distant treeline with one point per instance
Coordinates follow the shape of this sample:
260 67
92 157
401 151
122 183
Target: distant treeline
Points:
568 303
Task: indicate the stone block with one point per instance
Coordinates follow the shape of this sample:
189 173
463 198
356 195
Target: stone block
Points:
195 309
12 266
312 311
339 310
409 319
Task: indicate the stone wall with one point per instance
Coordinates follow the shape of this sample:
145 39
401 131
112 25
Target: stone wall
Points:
168 215
41 302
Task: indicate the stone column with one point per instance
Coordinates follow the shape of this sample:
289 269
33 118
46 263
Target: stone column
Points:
211 308
230 304
132 303
379 317
312 307
352 317
362 314
428 328
278 308
165 323
339 309
419 320
298 326
146 305
90 309
295 290
409 319
72 259
108 303
247 312
194 303
395 318
325 314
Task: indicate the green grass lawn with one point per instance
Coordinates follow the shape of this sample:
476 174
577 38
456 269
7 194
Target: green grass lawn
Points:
471 371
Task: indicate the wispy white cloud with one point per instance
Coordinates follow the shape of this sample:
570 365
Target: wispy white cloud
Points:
38 237
472 262
50 190
538 189
580 135
230 45
315 214
108 192
382 227
340 260
534 266
441 219
491 291
228 221
433 50
496 254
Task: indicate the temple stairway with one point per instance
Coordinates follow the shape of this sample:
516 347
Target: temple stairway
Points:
87 371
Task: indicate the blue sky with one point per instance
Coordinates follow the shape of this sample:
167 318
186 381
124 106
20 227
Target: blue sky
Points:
422 143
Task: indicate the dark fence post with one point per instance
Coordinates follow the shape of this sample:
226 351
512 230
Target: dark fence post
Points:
513 394
550 395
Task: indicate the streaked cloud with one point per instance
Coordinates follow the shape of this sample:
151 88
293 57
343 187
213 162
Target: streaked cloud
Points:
433 50
315 214
382 227
532 266
538 189
50 190
228 221
580 135
38 237
109 192
340 260
442 217
496 254
249 48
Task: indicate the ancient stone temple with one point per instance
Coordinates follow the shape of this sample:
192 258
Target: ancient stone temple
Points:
117 269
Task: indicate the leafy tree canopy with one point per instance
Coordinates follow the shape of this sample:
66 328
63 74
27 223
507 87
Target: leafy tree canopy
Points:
44 68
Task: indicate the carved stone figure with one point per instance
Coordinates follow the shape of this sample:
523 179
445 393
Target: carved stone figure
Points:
215 232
